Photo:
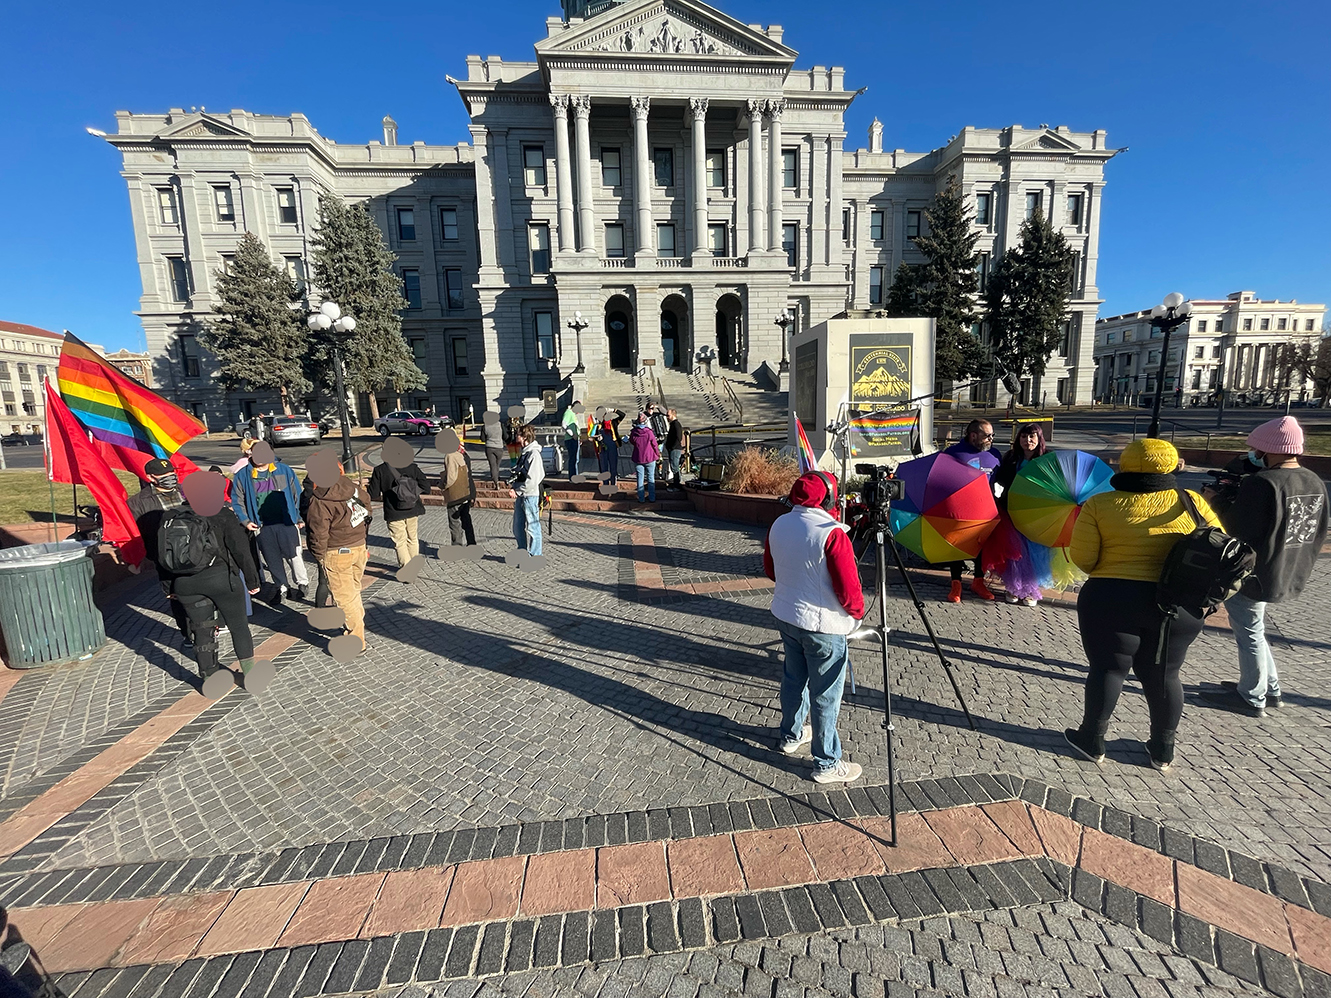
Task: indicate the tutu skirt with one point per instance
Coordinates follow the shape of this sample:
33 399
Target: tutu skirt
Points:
1025 566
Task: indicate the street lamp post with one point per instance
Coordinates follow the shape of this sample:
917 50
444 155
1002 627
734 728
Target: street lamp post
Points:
1168 316
785 322
577 325
329 317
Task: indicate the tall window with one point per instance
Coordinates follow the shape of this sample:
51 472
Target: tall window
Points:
982 271
411 287
286 205
845 225
716 168
913 224
538 236
179 278
1196 377
1199 353
614 240
875 285
448 223
1065 339
295 267
418 351
1266 324
611 174
1247 325
790 243
1219 325
1201 326
664 161
406 224
1034 200
790 169
166 203
876 226
1308 325
189 355
226 209
716 240
1280 323
665 240
533 166
1074 210
1074 275
545 335
460 355
453 290
984 209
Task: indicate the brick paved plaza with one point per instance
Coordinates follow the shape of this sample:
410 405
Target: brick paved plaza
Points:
564 782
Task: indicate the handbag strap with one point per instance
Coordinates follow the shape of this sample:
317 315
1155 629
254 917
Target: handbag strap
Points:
1191 507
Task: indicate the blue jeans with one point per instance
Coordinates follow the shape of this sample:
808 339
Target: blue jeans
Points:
815 672
1257 667
610 460
573 446
527 524
675 456
648 470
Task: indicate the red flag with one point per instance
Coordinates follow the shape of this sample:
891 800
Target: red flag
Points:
71 457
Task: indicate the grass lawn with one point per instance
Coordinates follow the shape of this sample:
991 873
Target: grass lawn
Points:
1313 443
25 496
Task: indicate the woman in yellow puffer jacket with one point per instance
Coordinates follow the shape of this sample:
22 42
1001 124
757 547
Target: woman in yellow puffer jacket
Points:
1121 540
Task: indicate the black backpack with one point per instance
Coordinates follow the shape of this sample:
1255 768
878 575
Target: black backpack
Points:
186 542
404 492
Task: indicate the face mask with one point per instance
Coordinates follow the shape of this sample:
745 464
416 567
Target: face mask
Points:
167 482
1252 456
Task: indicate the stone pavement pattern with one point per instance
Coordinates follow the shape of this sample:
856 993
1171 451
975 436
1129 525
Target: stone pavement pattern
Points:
599 685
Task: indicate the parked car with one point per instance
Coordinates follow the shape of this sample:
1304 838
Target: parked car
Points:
283 430
19 440
410 421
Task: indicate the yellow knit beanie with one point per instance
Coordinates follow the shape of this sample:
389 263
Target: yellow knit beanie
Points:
1149 455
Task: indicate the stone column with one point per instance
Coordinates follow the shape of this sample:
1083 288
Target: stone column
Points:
642 176
582 112
757 210
698 118
485 201
776 174
563 173
187 209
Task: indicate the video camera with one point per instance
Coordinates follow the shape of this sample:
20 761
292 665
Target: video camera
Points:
881 488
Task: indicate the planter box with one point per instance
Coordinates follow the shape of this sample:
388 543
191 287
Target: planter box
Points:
737 507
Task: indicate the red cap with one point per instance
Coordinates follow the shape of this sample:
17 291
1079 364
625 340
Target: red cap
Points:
810 489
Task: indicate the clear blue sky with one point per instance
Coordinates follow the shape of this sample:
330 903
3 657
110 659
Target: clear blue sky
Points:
1226 108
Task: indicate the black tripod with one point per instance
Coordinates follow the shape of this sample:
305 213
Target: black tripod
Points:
883 540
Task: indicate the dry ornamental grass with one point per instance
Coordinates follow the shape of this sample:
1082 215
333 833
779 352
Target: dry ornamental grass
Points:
760 471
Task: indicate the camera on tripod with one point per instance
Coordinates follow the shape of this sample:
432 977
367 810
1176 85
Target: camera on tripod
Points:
880 488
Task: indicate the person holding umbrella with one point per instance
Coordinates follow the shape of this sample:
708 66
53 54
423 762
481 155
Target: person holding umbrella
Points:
976 449
1021 563
1121 540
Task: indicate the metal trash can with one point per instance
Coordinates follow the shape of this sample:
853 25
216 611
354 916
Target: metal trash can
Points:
47 614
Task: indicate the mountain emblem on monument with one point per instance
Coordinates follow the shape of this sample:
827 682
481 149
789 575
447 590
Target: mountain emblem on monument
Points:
880 383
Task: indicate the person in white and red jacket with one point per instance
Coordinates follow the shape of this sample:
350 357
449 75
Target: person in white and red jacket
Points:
818 601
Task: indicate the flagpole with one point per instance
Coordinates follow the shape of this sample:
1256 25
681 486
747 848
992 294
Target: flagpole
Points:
74 492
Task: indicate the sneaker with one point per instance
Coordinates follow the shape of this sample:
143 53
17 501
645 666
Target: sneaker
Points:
1012 599
1092 751
842 772
1272 699
218 684
276 601
259 677
981 590
789 746
1030 601
954 595
1232 701
1162 755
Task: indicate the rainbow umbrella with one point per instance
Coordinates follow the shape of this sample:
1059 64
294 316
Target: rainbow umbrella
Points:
949 510
1048 492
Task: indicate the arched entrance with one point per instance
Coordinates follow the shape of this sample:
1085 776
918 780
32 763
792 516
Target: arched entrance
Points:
729 309
619 332
675 350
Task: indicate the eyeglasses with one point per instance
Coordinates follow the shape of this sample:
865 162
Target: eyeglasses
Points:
985 436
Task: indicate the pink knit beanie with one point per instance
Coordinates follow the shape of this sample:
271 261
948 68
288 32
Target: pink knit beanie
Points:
1278 436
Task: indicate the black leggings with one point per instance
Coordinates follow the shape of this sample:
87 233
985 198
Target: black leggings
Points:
1120 630
215 589
956 567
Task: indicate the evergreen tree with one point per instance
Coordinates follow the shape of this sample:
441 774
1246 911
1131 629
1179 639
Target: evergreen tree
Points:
1027 298
354 268
949 283
945 286
258 339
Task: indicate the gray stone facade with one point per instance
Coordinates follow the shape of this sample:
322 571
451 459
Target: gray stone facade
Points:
659 168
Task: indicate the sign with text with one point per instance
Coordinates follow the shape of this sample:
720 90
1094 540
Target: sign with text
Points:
884 433
880 368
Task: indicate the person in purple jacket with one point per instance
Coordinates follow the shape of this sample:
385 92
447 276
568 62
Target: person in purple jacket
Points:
976 449
646 452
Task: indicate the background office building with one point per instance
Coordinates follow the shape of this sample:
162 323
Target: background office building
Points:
659 167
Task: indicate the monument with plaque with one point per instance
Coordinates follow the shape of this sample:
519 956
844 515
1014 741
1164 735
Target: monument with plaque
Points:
872 376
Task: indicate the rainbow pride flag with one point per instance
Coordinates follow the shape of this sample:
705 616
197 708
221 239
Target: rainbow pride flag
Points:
134 423
808 460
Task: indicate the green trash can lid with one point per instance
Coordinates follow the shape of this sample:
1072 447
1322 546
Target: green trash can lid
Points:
38 555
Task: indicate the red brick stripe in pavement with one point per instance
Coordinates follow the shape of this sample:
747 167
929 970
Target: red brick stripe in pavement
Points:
170 929
8 677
